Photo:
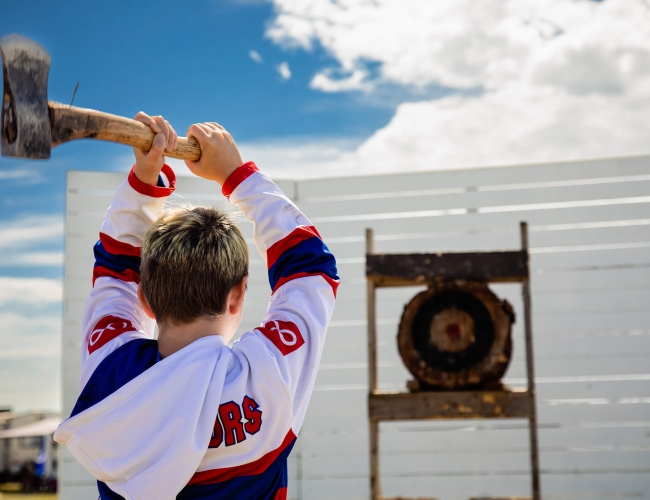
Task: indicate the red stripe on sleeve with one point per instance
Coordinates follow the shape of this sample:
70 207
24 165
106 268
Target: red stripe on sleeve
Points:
256 467
118 247
301 233
281 494
154 191
128 275
332 282
242 173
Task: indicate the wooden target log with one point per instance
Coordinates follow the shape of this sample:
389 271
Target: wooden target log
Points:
456 335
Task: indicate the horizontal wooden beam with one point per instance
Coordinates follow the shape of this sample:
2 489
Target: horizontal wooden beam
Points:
501 498
422 268
449 405
407 498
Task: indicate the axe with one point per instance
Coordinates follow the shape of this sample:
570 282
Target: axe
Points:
31 125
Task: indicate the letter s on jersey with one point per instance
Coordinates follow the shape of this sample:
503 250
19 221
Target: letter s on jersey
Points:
106 329
284 335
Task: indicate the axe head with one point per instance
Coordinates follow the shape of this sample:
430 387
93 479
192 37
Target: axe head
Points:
25 130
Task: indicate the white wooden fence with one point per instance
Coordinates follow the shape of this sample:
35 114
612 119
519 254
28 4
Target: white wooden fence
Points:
589 228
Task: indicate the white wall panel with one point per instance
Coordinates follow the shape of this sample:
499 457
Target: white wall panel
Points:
589 228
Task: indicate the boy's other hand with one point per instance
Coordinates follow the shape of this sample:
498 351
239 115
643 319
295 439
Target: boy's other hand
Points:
219 154
148 165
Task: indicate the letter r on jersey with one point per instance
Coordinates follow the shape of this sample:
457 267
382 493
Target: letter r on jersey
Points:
284 335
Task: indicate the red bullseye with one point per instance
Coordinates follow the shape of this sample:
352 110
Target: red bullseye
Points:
453 331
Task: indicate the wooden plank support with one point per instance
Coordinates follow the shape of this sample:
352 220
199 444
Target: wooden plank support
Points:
386 270
449 405
500 498
375 486
530 372
408 498
423 268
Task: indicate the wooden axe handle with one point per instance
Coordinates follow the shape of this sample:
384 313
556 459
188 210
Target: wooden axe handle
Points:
69 123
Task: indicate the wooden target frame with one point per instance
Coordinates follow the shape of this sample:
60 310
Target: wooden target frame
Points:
391 270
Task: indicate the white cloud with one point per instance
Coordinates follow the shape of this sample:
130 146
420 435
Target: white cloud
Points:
525 125
30 231
300 158
55 258
20 173
29 290
327 82
29 336
30 350
558 79
456 43
22 242
255 56
284 70
295 157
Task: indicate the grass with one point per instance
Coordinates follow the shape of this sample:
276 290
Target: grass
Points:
28 496
11 491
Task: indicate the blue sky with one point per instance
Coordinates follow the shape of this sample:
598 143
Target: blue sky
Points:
335 87
188 62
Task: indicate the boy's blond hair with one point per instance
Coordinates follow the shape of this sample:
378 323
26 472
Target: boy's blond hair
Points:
191 259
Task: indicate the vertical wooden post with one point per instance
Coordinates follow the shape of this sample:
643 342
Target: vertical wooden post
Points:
375 488
530 369
371 319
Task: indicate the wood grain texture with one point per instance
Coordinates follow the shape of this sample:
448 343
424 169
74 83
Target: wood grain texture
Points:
422 268
449 405
481 373
70 123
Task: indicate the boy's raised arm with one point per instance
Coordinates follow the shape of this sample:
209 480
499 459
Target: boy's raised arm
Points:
112 314
303 280
302 271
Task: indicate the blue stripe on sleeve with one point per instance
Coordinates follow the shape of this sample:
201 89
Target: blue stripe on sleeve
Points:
117 369
310 256
115 262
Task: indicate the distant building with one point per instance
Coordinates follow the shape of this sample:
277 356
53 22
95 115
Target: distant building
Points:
28 454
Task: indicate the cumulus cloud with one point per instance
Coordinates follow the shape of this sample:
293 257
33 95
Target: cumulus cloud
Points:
23 335
528 80
30 313
30 231
20 173
27 242
284 70
29 290
56 258
354 80
255 56
30 350
295 157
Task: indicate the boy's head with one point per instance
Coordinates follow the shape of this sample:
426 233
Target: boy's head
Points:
191 259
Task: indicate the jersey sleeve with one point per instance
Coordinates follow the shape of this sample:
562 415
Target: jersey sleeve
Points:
112 314
303 280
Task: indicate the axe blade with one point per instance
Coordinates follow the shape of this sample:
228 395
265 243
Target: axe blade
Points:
25 130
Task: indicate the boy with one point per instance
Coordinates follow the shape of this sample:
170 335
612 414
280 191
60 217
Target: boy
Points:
186 416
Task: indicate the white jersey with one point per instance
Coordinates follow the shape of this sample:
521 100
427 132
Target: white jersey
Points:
208 421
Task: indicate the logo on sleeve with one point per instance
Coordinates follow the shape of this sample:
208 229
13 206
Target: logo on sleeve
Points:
106 329
284 335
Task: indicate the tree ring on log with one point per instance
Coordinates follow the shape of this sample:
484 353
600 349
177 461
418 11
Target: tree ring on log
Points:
456 335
